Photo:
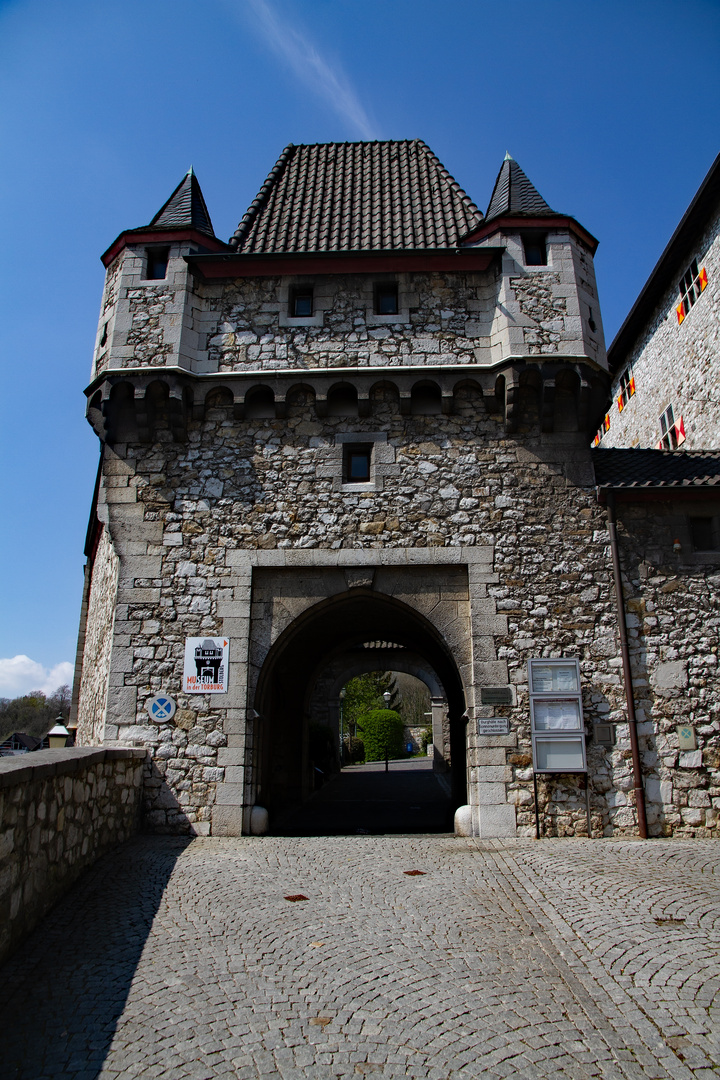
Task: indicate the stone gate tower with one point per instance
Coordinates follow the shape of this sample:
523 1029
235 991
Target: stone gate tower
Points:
366 417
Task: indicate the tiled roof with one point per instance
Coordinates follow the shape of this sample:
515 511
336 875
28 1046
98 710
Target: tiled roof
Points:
514 195
185 209
365 196
616 468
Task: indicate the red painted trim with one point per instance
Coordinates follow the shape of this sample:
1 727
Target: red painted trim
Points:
153 236
519 224
372 262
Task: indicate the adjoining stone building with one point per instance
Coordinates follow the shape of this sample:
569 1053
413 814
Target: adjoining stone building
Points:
367 418
664 359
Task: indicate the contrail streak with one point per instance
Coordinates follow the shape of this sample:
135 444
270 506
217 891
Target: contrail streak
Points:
302 57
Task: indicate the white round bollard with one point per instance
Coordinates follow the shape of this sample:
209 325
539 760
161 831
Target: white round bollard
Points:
258 821
463 821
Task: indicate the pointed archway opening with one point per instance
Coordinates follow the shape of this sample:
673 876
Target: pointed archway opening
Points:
297 753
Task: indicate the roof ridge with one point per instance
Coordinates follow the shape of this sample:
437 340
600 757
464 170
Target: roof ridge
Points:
262 197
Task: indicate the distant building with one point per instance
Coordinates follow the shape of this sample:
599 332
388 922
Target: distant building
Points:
665 359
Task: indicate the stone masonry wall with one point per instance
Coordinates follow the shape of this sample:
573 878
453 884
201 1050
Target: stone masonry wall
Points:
457 481
443 317
673 600
59 810
97 646
676 364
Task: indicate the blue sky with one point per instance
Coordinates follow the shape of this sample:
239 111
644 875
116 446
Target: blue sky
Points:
610 108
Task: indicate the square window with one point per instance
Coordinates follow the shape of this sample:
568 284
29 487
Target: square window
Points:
356 464
702 533
386 298
301 302
157 263
535 248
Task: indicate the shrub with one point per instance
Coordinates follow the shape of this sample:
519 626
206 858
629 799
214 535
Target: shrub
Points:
382 734
426 738
354 750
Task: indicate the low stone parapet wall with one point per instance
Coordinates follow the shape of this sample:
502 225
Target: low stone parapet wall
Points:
59 810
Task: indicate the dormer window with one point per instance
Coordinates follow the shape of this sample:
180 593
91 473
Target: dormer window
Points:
535 249
301 302
157 263
386 298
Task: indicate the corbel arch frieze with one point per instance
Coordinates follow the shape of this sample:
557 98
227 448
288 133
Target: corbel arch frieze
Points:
187 395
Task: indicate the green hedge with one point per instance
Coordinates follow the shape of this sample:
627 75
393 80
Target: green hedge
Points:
382 731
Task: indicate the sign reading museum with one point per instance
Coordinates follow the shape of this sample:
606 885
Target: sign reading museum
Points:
206 665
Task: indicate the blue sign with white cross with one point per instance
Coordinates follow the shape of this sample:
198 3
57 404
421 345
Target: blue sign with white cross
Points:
161 708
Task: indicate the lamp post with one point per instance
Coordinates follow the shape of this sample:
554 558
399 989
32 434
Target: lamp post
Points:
387 698
58 735
342 729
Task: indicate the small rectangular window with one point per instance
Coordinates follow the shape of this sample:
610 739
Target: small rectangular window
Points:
692 283
356 464
668 434
386 298
301 302
535 248
157 263
627 388
702 533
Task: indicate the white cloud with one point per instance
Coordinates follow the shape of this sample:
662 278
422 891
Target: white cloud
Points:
20 674
327 81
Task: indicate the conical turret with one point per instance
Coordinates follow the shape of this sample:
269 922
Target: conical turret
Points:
514 195
185 209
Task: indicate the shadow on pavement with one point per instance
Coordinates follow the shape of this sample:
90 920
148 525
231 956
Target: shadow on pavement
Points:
63 990
408 798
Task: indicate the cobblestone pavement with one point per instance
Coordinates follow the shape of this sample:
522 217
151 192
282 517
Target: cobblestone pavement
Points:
563 958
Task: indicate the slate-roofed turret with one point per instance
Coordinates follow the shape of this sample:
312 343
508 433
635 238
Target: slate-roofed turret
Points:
185 209
514 195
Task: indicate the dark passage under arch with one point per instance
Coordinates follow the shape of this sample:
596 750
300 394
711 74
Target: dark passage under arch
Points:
331 628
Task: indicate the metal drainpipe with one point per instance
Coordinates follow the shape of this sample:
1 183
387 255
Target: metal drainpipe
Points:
627 673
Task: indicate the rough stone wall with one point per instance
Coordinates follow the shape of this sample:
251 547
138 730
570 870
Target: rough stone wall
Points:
59 810
543 310
459 482
98 631
443 318
676 364
148 323
673 600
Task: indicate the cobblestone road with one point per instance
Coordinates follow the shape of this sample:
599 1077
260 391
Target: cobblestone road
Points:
502 959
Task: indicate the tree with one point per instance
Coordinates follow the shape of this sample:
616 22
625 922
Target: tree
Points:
382 732
365 693
34 713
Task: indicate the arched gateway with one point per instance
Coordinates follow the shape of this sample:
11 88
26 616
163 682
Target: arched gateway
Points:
323 642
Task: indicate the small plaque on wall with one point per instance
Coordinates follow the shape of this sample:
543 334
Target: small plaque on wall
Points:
686 737
493 725
496 695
